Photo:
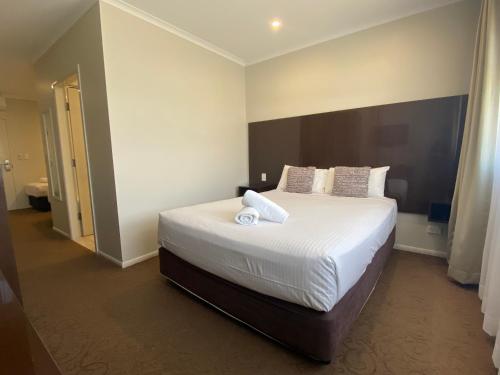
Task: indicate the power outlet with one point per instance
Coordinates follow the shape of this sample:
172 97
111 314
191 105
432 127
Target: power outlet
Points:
22 156
263 177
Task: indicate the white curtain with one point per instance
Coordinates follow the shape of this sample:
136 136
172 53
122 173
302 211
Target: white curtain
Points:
473 189
489 286
475 219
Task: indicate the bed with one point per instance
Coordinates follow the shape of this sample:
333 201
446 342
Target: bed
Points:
301 283
37 193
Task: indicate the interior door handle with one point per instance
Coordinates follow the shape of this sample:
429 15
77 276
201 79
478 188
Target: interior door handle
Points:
7 165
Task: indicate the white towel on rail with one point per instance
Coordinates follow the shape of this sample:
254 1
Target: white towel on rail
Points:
267 209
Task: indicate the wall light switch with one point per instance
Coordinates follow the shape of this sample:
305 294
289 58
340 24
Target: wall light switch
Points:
263 177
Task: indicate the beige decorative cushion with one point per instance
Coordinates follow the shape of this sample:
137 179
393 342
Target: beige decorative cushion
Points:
300 180
351 182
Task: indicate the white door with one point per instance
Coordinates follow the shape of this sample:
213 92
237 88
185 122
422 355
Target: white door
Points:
79 155
6 166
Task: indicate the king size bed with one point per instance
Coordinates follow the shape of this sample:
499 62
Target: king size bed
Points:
301 283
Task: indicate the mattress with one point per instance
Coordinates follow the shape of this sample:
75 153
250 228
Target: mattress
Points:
37 189
312 259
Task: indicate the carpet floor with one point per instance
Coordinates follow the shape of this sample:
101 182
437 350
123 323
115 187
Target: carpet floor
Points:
98 319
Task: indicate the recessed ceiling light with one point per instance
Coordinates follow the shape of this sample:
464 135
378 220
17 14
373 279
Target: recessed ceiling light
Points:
276 24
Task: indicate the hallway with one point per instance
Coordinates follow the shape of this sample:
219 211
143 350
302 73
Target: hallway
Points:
73 298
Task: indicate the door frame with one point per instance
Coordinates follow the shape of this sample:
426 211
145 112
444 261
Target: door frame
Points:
12 179
79 158
68 182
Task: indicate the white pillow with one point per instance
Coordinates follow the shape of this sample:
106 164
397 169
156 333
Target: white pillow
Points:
323 181
284 174
320 176
329 181
376 182
319 182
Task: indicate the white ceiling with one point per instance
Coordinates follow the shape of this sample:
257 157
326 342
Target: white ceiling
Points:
237 28
28 27
241 27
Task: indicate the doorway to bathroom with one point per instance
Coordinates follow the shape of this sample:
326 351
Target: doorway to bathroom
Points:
74 160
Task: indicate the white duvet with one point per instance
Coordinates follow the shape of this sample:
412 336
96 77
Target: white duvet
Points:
312 259
37 189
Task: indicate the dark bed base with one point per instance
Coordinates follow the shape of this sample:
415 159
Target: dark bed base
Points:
310 332
39 203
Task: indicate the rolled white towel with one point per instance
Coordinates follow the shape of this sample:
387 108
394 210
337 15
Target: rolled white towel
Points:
247 216
267 209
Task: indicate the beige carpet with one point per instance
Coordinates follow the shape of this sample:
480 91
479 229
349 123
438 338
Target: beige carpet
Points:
98 319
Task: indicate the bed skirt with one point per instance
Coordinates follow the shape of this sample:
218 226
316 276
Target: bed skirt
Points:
39 203
313 333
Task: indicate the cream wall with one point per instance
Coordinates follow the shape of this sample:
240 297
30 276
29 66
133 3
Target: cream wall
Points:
423 56
81 46
167 120
25 144
178 128
17 78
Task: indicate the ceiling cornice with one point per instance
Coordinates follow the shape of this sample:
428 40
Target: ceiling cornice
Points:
145 16
67 25
346 33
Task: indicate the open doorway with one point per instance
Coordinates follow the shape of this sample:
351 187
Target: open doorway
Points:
21 156
75 161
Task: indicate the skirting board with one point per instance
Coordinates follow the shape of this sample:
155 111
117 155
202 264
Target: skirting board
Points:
420 250
111 259
139 259
130 262
55 229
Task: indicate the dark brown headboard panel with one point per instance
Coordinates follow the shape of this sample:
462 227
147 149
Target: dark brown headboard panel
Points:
420 140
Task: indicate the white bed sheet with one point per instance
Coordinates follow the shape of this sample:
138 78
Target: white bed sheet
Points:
312 259
37 189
